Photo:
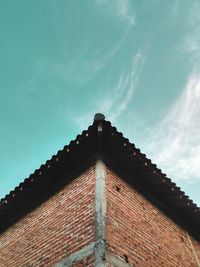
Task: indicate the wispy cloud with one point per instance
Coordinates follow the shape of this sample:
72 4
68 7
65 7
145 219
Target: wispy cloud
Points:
116 99
84 67
191 39
29 86
125 88
92 56
175 7
120 8
125 11
175 143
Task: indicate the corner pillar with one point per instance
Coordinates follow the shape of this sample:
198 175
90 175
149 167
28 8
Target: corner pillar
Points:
100 215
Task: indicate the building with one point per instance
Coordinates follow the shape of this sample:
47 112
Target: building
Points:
99 202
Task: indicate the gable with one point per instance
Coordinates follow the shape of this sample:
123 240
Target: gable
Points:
103 141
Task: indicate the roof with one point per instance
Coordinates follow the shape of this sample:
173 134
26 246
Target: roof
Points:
101 140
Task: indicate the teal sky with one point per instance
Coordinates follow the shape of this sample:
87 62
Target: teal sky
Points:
138 62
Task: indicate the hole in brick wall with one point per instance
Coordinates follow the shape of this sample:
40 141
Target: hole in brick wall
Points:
126 258
117 188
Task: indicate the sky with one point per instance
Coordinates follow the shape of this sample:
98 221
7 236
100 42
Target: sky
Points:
137 62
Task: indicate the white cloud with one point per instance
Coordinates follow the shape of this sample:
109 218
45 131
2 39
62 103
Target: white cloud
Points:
124 11
125 88
29 86
91 56
191 44
79 71
116 99
175 143
175 7
84 120
84 66
120 8
191 40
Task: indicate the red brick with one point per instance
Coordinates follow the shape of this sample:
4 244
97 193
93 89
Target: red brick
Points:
143 233
137 231
48 234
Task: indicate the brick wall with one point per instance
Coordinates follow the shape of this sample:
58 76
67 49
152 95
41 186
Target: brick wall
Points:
59 227
137 233
140 234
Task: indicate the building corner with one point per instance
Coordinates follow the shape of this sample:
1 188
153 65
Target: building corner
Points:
100 215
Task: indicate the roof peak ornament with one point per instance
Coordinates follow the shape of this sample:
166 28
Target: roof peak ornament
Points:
99 117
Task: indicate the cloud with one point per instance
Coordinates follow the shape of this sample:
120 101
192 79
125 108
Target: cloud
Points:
120 8
190 42
115 101
79 70
175 143
91 55
175 7
125 88
85 66
124 11
29 86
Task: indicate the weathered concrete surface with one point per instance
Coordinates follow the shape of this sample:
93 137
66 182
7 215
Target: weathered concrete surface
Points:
79 255
100 215
115 261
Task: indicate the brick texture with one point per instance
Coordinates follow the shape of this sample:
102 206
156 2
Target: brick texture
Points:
139 233
59 227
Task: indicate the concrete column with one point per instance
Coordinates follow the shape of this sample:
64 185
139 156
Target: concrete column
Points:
100 215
